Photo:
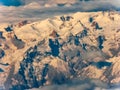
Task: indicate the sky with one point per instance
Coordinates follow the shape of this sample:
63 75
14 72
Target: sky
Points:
12 2
17 10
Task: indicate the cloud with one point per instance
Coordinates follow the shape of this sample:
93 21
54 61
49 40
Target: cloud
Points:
78 84
41 9
24 2
53 2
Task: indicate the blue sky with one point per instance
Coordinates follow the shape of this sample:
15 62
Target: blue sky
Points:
12 2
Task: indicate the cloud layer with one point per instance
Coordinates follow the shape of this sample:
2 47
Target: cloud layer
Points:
37 9
77 84
25 2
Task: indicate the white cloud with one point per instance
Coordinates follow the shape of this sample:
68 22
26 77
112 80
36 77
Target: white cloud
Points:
33 5
37 9
78 84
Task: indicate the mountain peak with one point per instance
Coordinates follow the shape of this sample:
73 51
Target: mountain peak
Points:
56 50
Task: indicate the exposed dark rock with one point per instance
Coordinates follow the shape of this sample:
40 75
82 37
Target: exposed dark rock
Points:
82 34
2 53
91 19
84 46
97 27
1 35
80 65
56 77
6 64
101 64
76 41
32 79
8 29
22 23
114 51
6 47
54 34
67 18
1 70
62 18
54 45
100 41
18 42
18 87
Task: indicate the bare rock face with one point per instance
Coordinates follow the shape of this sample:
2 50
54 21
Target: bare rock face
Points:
2 53
17 43
40 68
112 74
54 51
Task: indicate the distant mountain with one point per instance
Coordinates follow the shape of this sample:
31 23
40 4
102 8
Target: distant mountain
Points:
57 50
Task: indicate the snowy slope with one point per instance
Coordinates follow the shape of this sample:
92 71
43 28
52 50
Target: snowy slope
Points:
55 50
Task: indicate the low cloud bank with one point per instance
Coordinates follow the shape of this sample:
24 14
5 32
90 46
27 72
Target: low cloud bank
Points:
86 84
41 9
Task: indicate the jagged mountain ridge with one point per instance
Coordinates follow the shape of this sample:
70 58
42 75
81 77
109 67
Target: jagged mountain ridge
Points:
83 45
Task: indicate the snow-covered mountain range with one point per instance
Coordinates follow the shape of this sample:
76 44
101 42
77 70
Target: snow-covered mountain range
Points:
57 50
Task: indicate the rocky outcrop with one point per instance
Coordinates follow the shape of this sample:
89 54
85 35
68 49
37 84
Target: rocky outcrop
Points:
40 68
17 42
2 53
